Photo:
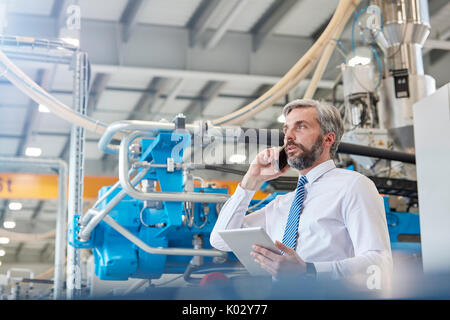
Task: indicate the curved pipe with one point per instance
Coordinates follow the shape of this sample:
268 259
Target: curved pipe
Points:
325 58
93 217
17 77
134 125
167 251
157 196
293 75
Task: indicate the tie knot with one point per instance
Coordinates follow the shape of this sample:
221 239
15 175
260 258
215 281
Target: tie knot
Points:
302 181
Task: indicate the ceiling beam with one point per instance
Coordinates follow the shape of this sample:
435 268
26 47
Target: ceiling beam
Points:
174 92
148 99
225 24
18 250
269 20
95 92
200 20
3 211
129 18
37 210
209 92
44 251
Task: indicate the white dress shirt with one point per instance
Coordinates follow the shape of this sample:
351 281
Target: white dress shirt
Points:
342 227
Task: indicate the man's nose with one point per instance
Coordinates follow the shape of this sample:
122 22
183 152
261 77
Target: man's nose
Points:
288 136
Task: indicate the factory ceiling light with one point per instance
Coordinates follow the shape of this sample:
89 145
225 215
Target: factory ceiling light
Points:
237 158
9 224
15 206
33 152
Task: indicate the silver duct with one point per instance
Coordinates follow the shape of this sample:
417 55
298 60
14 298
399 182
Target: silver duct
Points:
406 26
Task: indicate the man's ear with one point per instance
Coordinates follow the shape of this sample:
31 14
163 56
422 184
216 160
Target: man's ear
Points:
329 139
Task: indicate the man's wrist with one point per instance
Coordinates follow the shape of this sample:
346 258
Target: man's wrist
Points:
250 183
311 270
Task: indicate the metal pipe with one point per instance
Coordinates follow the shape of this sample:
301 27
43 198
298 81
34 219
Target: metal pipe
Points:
61 219
157 196
355 149
167 251
86 219
59 46
85 232
127 125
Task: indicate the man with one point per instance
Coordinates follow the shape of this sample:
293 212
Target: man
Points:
333 225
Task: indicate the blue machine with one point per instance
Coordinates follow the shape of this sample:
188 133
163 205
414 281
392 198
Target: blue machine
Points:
172 225
159 224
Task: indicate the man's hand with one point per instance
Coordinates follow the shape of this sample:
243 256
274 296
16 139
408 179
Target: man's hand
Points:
279 266
263 168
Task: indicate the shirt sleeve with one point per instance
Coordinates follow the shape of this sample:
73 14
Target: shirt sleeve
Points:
233 216
365 219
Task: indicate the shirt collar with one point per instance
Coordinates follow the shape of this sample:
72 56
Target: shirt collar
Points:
316 172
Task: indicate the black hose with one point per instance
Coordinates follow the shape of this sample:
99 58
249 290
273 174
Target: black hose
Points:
346 148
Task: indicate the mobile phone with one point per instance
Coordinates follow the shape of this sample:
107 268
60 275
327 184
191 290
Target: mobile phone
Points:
282 159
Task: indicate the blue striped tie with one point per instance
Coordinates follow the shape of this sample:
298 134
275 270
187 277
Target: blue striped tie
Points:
291 231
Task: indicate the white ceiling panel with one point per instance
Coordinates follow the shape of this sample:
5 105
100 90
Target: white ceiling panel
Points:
50 205
91 151
108 10
127 80
246 19
177 106
221 106
62 78
41 7
118 100
168 12
192 87
440 21
245 88
306 17
13 96
8 146
12 120
51 146
48 122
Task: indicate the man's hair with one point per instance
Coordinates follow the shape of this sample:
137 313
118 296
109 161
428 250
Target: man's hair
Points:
329 118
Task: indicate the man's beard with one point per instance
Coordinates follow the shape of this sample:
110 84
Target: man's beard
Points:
307 158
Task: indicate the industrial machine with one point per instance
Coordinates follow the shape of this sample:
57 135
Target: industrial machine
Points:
144 238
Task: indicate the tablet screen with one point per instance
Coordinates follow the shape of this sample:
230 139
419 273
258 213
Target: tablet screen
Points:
241 241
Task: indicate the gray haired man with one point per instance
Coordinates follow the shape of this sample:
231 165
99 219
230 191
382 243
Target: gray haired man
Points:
333 225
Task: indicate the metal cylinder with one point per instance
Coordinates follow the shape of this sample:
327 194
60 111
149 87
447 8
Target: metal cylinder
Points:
406 26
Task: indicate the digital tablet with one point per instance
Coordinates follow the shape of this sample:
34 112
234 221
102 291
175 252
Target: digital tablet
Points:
241 242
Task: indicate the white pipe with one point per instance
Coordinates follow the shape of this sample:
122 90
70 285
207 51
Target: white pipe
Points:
99 215
167 251
10 71
157 196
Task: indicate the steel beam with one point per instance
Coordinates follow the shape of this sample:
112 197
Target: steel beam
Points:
270 19
129 18
200 20
209 92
